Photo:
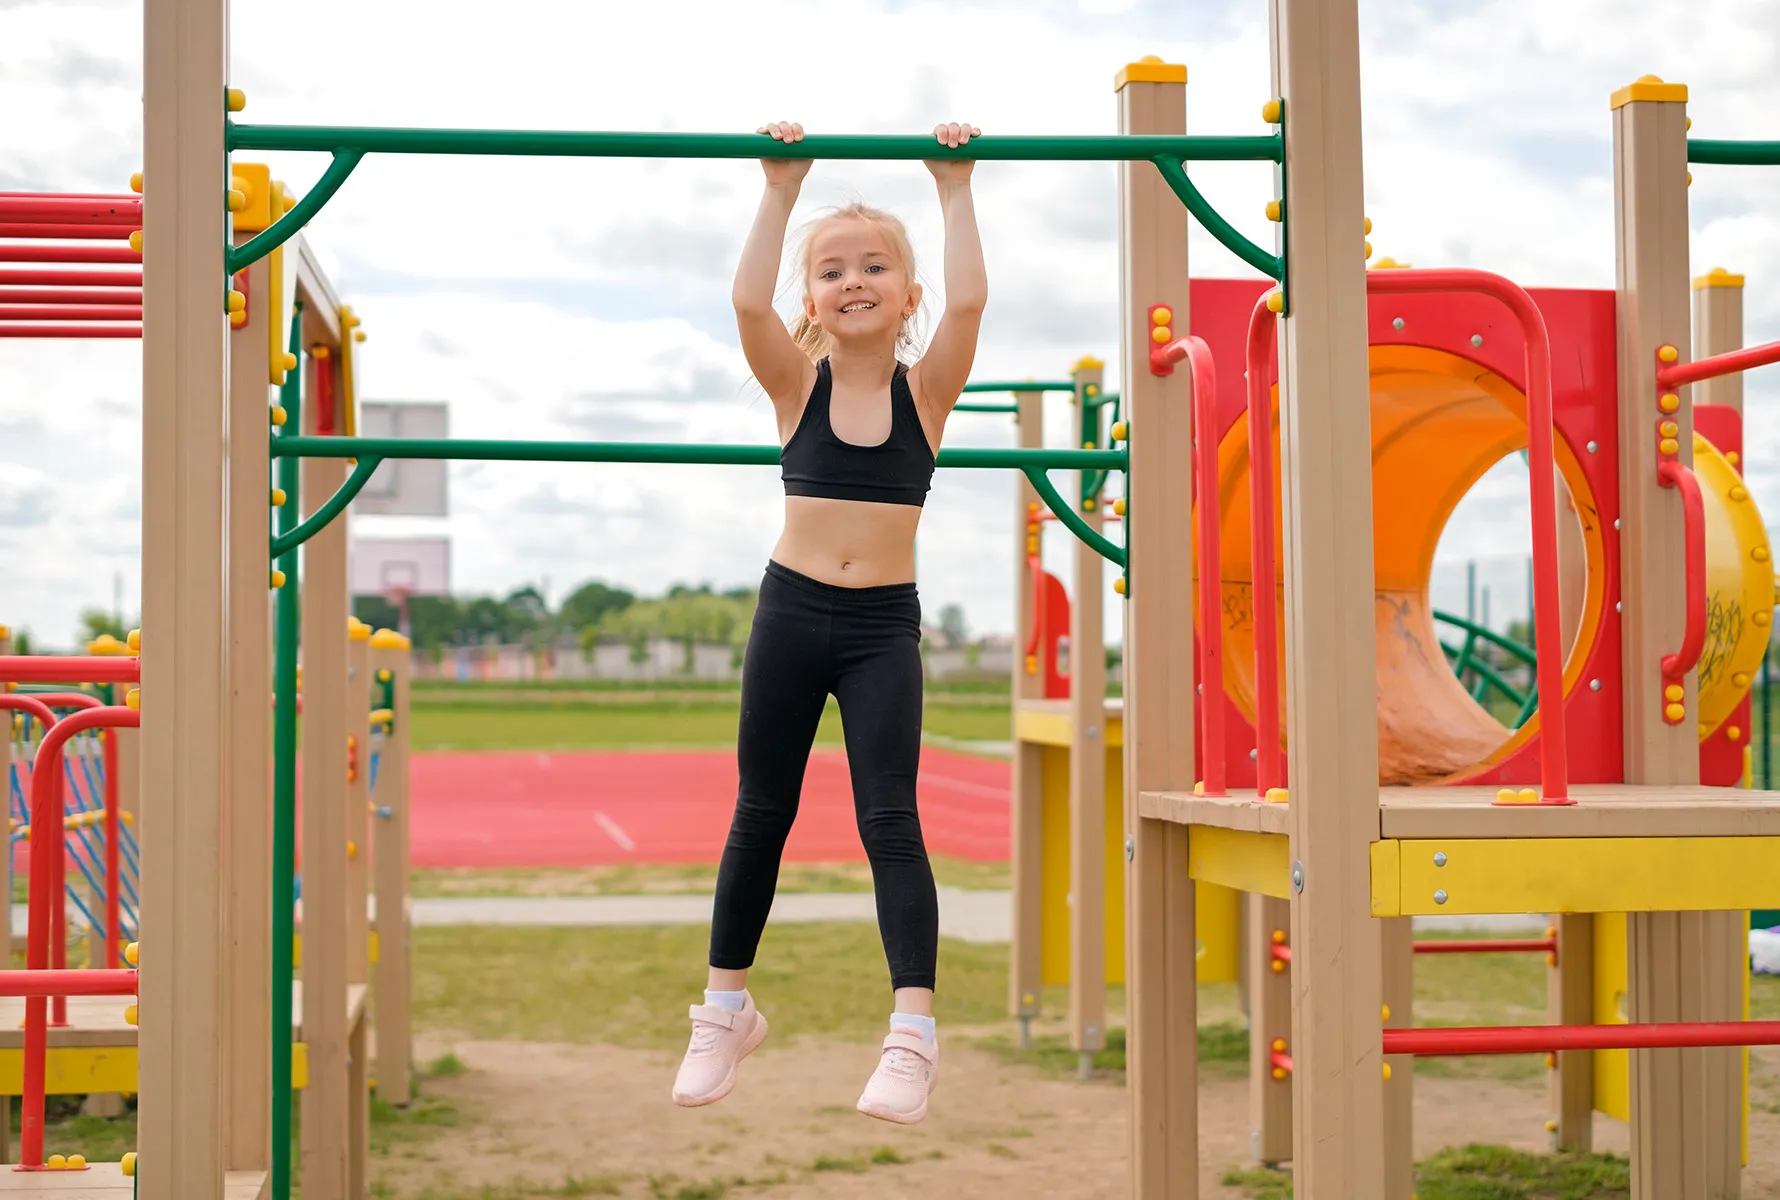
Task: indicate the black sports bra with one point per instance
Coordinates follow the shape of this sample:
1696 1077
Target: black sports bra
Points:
898 470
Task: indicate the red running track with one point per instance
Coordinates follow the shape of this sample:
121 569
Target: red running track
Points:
529 809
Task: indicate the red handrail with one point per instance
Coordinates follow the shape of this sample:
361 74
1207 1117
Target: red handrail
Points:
70 668
69 254
1036 568
46 332
85 982
68 312
23 702
1670 376
37 231
46 844
1693 515
58 939
73 210
1534 1039
1269 763
1488 946
1541 466
118 296
48 277
1280 1061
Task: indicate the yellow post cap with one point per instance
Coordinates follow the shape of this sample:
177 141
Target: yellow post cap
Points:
388 639
1650 88
1149 69
1388 263
1717 277
1089 363
358 631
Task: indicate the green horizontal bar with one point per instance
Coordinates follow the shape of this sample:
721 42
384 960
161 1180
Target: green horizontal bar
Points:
913 147
500 450
986 408
1027 386
1724 152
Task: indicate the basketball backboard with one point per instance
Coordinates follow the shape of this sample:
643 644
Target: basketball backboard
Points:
400 567
404 487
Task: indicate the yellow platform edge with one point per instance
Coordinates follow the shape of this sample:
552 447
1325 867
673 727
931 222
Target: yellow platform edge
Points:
84 1070
1247 862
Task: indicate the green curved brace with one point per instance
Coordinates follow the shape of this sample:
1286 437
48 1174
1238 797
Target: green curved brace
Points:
1271 265
1041 483
318 520
287 226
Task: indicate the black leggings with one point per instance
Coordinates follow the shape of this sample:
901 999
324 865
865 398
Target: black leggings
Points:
811 639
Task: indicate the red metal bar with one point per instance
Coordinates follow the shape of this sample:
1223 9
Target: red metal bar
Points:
1488 946
71 668
117 296
1269 764
1281 1061
1036 567
24 702
68 983
70 332
58 935
1670 376
324 394
1211 588
48 277
69 312
1535 1039
69 254
1693 511
113 876
45 895
73 210
1553 759
40 232
1282 953
67 195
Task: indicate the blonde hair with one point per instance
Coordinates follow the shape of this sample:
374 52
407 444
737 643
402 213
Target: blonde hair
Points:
810 337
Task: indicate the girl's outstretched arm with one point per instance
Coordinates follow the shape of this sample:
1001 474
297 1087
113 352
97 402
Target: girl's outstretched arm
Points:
774 358
944 369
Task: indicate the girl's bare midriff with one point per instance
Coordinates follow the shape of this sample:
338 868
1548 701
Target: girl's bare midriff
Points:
850 543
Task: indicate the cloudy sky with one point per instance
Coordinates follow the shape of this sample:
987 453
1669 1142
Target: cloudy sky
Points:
588 299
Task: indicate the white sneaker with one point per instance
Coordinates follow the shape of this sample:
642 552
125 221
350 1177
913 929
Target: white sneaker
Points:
897 1091
721 1039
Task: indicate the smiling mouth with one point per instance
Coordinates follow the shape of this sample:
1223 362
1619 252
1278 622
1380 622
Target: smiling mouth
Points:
858 306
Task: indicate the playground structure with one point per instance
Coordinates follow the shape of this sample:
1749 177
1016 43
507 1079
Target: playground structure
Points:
1644 837
354 825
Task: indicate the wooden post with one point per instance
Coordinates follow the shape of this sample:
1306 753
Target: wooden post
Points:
1331 672
1684 1103
1026 949
184 425
1397 948
390 652
1162 1006
1087 770
1570 1001
1269 922
326 1100
247 734
1718 329
358 802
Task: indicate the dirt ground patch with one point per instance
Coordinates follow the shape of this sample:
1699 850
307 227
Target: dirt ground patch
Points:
599 1115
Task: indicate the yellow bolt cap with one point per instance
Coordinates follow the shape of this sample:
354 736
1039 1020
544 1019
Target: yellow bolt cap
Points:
1674 713
358 335
278 497
289 360
1279 1045
129 1164
1732 457
1271 112
1274 211
1733 733
1199 787
136 182
1119 506
1368 226
237 199
1668 402
237 320
1119 585
1667 354
130 1014
278 414
1276 301
1279 1072
77 1162
1278 796
55 1162
383 676
1739 493
1668 429
235 301
132 953
1387 1071
1674 692
1119 430
134 641
351 849
1368 249
277 579
1527 796
237 99
1161 315
133 699
1551 1127
1386 1012
1279 937
1161 334
1505 796
1669 446
136 240
1761 616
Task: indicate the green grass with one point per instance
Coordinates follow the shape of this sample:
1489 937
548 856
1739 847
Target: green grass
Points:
1223 1052
1478 1172
682 879
693 719
630 986
1481 989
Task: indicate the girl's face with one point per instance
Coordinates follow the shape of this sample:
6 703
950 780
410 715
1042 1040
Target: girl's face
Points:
858 289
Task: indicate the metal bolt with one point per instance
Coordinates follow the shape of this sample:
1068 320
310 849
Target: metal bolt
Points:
1130 848
1477 339
1593 446
1254 755
1619 606
1616 522
1594 685
1298 877
1440 896
1397 323
1093 731
1440 858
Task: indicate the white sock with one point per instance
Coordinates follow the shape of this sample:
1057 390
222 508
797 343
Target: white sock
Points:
728 1001
921 1025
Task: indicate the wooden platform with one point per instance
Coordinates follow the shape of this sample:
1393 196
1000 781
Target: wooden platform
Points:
96 1051
1451 851
106 1181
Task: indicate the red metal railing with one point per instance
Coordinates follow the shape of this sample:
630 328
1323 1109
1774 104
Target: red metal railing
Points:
68 312
1533 1039
122 297
72 668
62 332
25 208
1670 376
1541 467
84 233
44 901
1676 475
1269 762
56 277
69 254
46 232
1489 946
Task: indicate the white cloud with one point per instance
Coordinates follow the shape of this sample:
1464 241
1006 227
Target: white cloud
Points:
568 298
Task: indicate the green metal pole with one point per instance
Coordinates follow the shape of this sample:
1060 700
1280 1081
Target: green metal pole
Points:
1029 386
284 781
1725 152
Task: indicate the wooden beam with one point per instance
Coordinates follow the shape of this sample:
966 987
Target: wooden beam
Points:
1570 1001
1269 923
1160 964
1683 1102
1087 781
247 737
1331 672
395 982
1026 811
1397 947
184 422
